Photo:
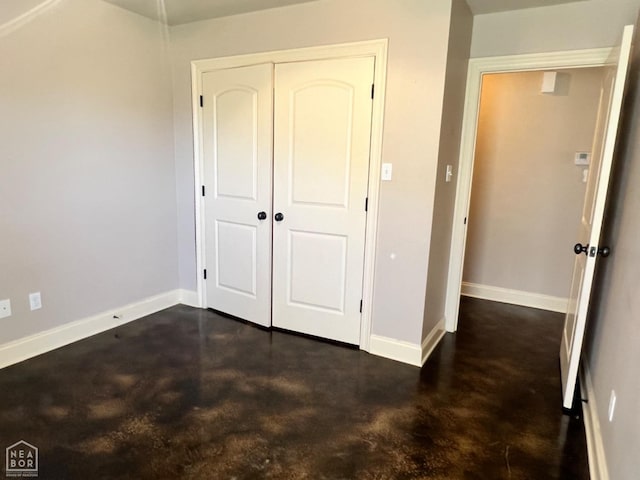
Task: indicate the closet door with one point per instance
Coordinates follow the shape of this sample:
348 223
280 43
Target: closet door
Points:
322 127
237 142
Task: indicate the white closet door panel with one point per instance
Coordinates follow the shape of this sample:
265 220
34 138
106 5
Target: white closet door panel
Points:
236 143
321 160
237 140
321 150
318 270
236 257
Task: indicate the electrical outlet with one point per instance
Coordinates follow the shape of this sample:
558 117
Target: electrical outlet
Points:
35 301
5 308
612 405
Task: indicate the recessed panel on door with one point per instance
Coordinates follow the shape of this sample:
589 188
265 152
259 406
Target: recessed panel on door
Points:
322 128
321 152
236 258
572 307
237 141
318 271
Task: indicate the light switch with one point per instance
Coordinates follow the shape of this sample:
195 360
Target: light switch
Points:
35 301
387 172
449 174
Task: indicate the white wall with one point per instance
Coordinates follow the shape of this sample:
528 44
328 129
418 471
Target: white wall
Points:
527 194
87 185
449 153
612 349
571 26
418 41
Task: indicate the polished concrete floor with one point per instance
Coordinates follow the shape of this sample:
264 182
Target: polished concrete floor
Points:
187 394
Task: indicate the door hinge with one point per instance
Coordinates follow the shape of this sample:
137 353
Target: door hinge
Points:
205 273
366 204
201 101
373 89
203 191
360 306
465 220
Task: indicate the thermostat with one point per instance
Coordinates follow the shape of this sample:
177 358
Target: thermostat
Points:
582 158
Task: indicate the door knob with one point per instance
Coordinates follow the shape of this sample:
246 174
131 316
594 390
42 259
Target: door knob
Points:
279 217
579 248
262 215
604 251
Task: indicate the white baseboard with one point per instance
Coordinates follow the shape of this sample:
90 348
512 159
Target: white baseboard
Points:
595 446
398 350
189 298
405 352
432 340
39 343
515 297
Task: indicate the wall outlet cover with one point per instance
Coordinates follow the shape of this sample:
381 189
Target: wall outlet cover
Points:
5 308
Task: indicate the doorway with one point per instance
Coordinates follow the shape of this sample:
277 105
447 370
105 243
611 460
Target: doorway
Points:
478 68
533 148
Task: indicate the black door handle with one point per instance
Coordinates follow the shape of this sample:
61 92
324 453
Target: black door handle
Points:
262 215
604 251
279 217
579 248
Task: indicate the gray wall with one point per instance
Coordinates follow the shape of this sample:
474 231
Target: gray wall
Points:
418 43
571 26
449 153
527 194
87 185
612 351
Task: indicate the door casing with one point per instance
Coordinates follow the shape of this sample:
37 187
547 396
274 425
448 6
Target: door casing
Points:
373 48
477 68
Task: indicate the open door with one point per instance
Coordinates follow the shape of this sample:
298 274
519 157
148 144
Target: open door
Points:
588 251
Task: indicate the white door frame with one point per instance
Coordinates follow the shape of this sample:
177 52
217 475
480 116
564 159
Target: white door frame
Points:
374 48
477 68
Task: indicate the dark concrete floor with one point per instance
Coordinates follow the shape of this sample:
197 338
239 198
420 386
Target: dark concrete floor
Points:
186 394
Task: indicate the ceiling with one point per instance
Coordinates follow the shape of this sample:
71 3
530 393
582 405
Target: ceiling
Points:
185 11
